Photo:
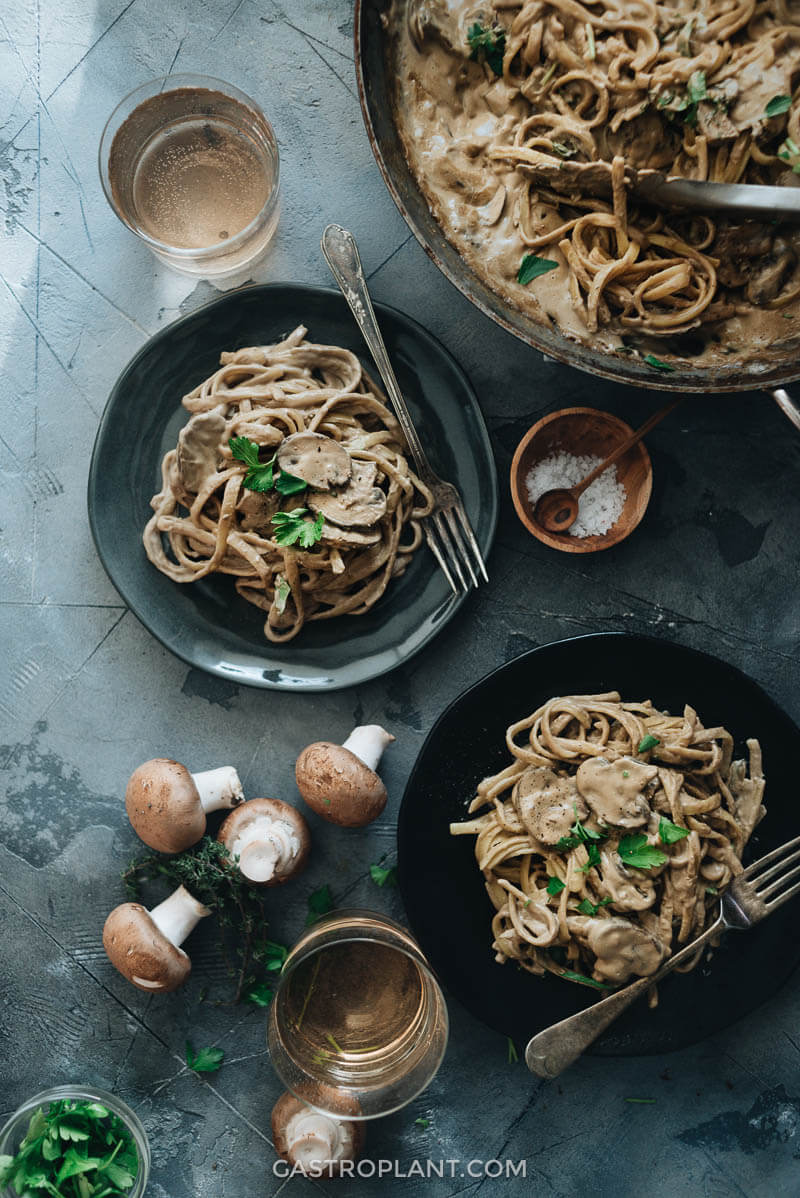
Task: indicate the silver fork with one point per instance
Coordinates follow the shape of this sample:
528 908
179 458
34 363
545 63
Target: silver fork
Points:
751 897
447 529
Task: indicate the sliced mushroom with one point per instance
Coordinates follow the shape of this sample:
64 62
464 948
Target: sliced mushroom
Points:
547 804
318 460
198 448
613 790
257 509
359 504
629 889
270 839
348 538
622 948
770 274
312 1141
490 213
145 945
167 806
339 782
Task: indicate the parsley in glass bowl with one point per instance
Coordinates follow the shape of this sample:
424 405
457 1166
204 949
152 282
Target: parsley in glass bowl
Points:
74 1142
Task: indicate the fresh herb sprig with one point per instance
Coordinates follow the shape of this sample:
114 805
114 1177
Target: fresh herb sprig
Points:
778 105
587 907
206 873
582 978
292 528
487 45
260 475
320 902
637 851
532 266
73 1150
205 1060
383 875
669 833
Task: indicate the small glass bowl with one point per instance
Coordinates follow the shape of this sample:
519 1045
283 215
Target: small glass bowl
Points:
14 1131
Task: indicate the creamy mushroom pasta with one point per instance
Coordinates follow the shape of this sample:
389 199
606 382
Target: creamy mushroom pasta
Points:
608 838
291 476
526 120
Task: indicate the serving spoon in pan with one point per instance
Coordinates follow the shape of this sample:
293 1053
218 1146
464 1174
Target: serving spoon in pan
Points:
756 893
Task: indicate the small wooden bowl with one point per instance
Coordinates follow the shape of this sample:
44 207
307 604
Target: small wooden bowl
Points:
583 431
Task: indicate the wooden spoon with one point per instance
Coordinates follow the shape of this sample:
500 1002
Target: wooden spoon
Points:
557 510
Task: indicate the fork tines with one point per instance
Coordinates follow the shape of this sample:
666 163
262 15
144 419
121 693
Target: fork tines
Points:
771 874
453 544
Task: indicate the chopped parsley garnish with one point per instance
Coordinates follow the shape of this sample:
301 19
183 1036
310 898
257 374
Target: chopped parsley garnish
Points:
73 1148
594 858
319 903
647 743
711 890
563 150
512 1052
205 1060
669 833
271 955
292 528
657 364
487 45
554 886
260 475
636 851
581 977
423 1123
579 834
626 773
383 876
788 151
282 593
259 995
531 267
587 907
777 105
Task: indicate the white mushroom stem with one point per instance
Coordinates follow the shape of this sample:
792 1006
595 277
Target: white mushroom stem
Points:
264 847
314 1139
367 742
219 788
178 915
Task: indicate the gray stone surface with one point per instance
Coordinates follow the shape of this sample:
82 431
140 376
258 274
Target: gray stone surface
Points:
87 694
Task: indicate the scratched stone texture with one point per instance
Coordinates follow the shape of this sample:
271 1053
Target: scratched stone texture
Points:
86 693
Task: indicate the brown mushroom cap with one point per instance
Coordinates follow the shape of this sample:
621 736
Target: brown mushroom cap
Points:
358 504
255 811
164 806
318 460
289 1106
142 953
338 786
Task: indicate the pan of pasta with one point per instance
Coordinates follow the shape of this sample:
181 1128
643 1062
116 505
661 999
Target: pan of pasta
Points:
511 134
573 819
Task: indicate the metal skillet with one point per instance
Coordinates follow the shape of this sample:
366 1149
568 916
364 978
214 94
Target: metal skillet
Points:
770 370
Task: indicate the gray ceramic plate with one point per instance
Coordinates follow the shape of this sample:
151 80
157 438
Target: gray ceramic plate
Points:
207 624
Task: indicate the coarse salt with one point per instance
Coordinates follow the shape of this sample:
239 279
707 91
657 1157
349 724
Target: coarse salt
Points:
600 505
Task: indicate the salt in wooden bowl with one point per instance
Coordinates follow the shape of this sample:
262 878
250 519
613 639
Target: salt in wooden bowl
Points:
583 431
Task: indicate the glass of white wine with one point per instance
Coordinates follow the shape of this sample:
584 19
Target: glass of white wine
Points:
358 1025
190 164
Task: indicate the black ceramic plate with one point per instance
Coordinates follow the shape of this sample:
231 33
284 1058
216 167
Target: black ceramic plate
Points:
448 908
207 623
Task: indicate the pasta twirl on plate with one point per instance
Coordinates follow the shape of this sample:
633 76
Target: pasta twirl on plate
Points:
327 510
606 841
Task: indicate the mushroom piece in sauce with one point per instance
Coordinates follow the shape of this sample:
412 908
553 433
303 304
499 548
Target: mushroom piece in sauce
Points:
198 448
622 948
318 460
360 503
547 804
613 790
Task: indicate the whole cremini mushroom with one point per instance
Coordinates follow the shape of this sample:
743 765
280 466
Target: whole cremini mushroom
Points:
167 805
270 838
314 1142
339 782
145 945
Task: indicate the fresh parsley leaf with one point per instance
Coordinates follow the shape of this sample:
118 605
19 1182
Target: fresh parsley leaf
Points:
581 977
669 833
319 903
531 267
282 592
777 105
292 527
594 858
487 45
635 850
568 842
423 1123
696 87
46 1159
587 907
711 890
259 995
289 484
512 1051
270 954
259 474
554 886
657 364
205 1060
647 742
383 876
562 149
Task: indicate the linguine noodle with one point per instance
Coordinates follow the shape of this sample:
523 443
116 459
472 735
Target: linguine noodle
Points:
206 521
594 785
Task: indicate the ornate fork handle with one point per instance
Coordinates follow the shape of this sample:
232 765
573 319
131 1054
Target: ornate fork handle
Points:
556 1048
341 254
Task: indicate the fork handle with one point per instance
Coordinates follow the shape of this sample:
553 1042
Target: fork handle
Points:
341 254
556 1048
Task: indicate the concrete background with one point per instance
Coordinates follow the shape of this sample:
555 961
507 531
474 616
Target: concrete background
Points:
87 694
